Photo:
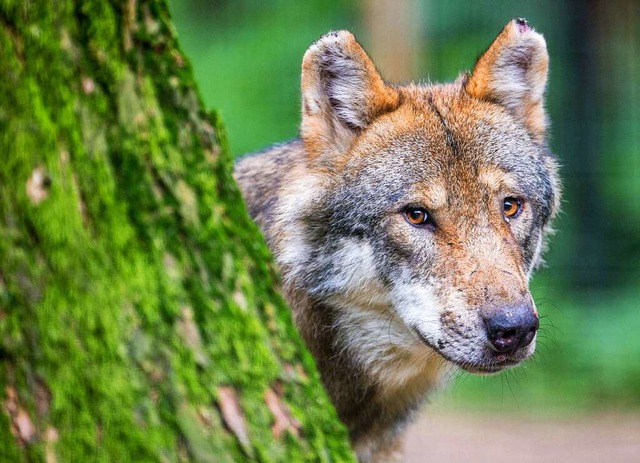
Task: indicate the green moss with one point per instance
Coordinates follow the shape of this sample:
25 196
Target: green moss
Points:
136 284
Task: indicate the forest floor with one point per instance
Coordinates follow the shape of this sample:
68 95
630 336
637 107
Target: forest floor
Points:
456 437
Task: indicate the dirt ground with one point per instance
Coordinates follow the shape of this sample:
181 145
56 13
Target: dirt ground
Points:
456 437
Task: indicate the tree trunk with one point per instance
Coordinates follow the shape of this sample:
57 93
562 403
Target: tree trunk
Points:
138 316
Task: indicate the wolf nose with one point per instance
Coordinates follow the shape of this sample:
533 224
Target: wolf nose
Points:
511 328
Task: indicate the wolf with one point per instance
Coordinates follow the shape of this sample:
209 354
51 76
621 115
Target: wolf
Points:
406 221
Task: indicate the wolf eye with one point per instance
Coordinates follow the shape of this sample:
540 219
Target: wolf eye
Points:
417 216
512 207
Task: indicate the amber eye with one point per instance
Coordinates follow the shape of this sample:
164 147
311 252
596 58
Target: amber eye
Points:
417 216
512 207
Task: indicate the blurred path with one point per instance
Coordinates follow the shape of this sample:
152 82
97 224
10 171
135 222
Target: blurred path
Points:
454 437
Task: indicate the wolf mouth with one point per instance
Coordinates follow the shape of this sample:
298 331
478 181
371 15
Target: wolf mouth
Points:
489 366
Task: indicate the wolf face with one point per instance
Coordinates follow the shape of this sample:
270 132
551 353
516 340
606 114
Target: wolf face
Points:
407 221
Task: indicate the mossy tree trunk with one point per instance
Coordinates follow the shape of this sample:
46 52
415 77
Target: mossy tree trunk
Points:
138 319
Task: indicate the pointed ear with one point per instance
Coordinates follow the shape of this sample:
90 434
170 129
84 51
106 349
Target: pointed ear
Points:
513 73
342 93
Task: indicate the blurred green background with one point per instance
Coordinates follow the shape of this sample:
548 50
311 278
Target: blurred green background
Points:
247 55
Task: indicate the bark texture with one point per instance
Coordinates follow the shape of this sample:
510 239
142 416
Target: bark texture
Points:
138 316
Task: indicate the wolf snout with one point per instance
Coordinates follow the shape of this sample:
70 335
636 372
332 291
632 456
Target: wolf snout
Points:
511 328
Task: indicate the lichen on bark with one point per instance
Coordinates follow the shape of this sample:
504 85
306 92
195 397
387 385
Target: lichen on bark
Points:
133 286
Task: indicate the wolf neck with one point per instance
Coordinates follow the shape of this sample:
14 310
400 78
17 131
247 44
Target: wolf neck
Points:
369 364
395 363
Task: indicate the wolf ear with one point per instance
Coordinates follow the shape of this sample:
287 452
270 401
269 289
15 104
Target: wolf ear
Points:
513 73
342 93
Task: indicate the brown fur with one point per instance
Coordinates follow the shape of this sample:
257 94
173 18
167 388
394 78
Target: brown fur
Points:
390 310
520 53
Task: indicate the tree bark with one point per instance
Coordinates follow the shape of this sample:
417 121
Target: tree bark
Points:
138 315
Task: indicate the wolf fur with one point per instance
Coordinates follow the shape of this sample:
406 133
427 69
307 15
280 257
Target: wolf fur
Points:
389 308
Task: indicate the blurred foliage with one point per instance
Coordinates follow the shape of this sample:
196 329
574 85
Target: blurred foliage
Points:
247 54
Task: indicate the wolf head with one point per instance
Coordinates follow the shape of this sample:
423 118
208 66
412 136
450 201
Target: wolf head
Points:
425 207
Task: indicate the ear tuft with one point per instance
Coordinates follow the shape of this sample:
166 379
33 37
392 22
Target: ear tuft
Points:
342 92
513 73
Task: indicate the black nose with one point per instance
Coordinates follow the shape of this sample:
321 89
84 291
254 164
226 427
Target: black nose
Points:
511 328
